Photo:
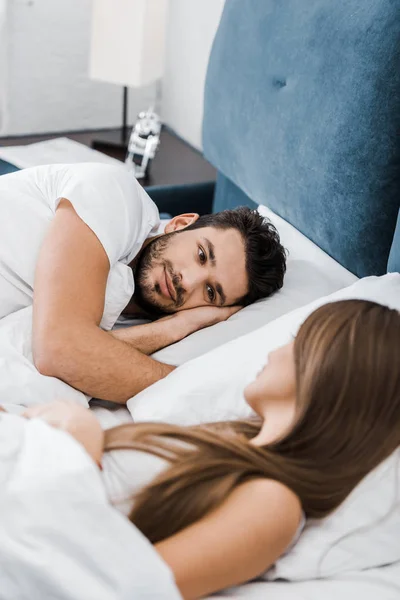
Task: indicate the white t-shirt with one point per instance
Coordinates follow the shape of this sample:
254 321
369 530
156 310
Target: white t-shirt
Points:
106 197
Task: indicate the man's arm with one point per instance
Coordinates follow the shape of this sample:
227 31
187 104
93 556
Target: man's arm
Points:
151 337
68 303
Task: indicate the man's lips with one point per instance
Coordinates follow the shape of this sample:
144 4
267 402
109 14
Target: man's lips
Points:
166 285
170 285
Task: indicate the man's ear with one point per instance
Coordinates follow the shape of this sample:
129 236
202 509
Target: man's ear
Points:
181 222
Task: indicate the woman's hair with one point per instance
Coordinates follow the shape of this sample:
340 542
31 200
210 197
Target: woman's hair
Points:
347 421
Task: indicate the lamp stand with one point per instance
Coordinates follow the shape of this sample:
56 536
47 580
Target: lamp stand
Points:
116 140
124 131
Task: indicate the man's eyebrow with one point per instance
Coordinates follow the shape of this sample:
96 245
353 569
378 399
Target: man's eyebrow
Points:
220 291
211 253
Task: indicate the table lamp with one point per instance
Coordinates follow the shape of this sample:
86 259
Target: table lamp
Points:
127 49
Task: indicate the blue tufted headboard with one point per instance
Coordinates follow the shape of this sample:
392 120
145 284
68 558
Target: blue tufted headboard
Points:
302 113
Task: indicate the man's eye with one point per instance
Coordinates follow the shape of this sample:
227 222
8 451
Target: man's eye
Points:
210 293
202 255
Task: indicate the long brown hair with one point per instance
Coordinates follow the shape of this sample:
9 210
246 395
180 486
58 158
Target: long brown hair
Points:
347 357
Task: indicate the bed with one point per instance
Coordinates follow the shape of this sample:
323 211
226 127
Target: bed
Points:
301 120
301 115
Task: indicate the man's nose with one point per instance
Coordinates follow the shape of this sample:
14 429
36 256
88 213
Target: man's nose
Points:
193 278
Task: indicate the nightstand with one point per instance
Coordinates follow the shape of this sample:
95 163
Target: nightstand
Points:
180 179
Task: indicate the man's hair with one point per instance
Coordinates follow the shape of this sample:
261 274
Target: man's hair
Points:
265 255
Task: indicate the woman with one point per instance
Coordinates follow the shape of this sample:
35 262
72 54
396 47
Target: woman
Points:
223 502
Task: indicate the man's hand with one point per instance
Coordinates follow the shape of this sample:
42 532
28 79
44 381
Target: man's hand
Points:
170 329
193 319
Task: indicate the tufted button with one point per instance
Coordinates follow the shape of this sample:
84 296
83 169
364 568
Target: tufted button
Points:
279 82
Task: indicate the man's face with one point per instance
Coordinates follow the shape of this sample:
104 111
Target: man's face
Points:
185 269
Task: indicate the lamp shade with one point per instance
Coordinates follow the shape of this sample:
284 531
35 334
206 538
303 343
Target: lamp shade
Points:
128 41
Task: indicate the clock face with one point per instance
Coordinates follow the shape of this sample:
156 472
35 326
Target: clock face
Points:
143 142
148 123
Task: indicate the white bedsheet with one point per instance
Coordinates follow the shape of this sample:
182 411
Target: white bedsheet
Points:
373 584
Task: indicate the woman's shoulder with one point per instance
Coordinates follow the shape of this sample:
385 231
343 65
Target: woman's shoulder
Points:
276 492
273 512
271 501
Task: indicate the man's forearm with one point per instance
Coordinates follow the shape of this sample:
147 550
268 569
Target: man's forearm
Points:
151 337
113 365
99 365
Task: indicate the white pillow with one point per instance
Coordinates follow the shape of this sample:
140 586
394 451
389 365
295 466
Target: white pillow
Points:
310 274
304 282
210 388
363 533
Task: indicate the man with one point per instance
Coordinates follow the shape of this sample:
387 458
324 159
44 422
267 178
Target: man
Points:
80 242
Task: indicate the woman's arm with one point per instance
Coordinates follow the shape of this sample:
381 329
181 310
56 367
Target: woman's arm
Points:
235 543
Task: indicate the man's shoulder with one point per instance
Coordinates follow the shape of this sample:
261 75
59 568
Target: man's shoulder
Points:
96 171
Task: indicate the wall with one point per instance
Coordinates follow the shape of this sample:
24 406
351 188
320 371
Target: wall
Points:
44 84
3 63
191 29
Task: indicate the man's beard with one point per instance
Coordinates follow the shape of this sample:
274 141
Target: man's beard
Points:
146 293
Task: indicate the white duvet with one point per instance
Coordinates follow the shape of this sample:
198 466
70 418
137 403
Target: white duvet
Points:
59 537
